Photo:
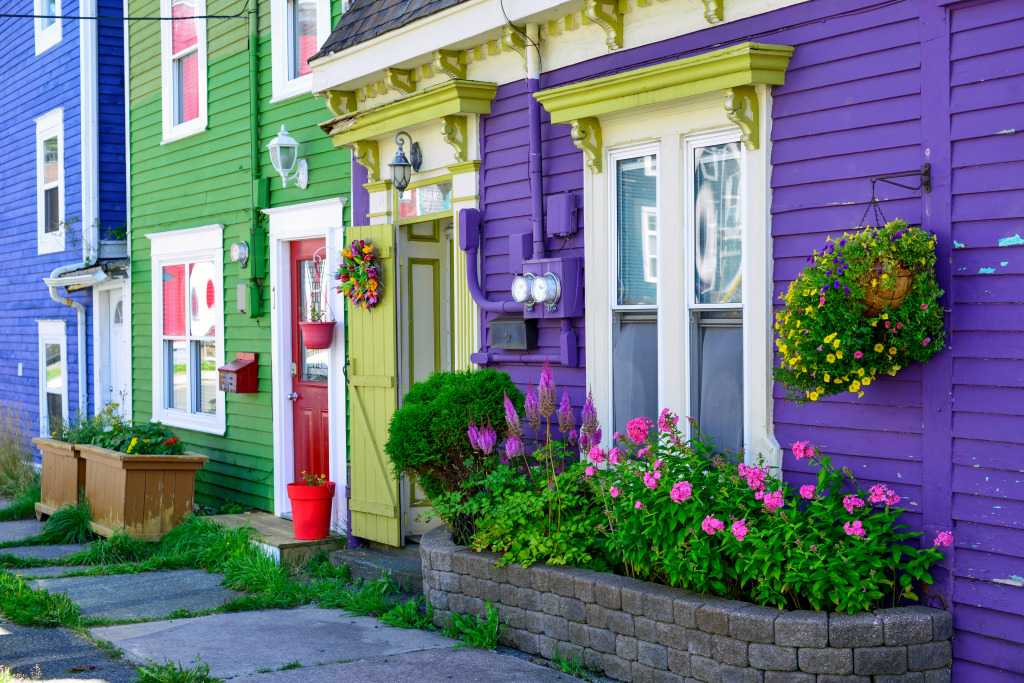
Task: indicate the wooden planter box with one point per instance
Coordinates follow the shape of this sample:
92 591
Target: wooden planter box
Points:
63 475
147 495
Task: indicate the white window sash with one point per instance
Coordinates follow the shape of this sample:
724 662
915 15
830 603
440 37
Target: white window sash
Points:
52 332
168 79
49 126
47 36
282 37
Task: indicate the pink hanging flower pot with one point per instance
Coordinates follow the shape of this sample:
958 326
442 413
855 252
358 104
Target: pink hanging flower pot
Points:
317 335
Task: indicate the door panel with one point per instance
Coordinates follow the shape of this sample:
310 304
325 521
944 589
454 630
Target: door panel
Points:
372 377
310 366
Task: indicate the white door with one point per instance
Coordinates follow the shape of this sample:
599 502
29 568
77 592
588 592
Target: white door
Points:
112 353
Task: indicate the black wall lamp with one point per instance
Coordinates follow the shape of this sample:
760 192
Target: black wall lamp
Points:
401 167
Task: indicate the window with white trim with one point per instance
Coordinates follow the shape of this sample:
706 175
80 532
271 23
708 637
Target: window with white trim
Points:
47 24
188 322
53 375
50 182
297 30
183 68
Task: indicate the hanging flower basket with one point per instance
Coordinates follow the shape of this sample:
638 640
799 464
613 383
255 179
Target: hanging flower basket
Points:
317 335
361 275
868 306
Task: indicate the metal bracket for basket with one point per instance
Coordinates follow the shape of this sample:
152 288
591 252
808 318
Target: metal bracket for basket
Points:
924 179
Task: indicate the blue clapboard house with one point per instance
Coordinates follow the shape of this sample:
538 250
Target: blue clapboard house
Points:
64 331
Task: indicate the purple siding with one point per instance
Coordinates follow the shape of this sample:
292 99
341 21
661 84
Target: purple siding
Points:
873 88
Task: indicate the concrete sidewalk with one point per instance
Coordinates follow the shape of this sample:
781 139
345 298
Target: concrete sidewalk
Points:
58 652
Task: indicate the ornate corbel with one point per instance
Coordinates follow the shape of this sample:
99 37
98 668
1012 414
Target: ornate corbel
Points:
399 79
341 102
713 10
607 15
367 154
453 130
513 39
448 62
586 135
741 107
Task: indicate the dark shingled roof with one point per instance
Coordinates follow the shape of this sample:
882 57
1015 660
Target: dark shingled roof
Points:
367 19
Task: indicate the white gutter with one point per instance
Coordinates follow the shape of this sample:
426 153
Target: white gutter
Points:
88 50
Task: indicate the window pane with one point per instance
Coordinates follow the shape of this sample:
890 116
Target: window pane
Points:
50 161
203 300
54 369
183 32
718 222
719 389
50 10
174 300
304 43
204 387
634 368
636 192
186 84
426 200
175 375
54 411
313 362
51 210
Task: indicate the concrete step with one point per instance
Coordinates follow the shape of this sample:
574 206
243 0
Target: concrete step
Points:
367 563
276 535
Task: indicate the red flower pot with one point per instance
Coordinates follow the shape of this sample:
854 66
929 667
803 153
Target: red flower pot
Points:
317 335
311 510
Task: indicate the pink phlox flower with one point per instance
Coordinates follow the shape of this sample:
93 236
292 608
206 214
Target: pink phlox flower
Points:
880 493
650 481
620 437
759 495
739 529
851 503
754 476
800 449
596 455
614 455
657 474
854 529
667 420
658 463
614 491
590 471
642 453
773 501
710 525
637 428
807 491
681 490
943 538
858 354
639 505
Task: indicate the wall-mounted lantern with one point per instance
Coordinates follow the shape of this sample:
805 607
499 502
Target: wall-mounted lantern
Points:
284 155
401 166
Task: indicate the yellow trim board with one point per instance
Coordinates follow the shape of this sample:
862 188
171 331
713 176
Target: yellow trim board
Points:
443 99
730 67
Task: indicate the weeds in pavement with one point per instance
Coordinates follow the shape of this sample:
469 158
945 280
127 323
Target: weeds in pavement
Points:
23 504
16 471
37 608
171 672
408 615
120 548
291 665
475 631
570 662
368 598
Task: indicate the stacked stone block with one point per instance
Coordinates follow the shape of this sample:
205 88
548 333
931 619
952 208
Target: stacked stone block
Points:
642 632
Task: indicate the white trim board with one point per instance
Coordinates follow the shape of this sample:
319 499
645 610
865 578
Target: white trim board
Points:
312 220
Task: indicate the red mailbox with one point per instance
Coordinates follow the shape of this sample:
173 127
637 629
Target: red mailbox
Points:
240 376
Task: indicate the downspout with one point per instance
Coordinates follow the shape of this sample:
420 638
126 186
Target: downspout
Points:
536 153
254 105
88 69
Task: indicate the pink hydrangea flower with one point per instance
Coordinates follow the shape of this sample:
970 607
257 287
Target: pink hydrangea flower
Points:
880 493
637 428
650 481
638 505
667 420
854 529
773 501
596 455
739 529
851 503
614 491
681 491
800 449
710 525
807 491
615 455
943 538
590 471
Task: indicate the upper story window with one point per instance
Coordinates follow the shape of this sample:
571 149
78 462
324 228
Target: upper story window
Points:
183 68
298 29
48 25
50 182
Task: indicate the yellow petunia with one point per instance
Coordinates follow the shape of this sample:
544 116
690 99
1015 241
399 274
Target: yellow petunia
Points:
892 350
879 348
813 396
860 372
866 381
839 355
831 358
884 316
829 338
836 343
854 387
827 377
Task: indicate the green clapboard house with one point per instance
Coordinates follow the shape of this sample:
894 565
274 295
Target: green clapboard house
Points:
226 259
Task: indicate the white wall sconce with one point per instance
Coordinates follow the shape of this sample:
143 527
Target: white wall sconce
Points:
284 155
401 166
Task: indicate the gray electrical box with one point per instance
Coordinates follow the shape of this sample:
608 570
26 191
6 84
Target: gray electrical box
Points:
513 333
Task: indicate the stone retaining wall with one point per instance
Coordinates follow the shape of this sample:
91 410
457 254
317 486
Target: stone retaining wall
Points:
638 631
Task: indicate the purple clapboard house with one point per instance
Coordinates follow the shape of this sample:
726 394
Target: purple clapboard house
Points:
684 161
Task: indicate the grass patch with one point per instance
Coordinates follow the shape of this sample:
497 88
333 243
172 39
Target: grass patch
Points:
16 471
27 607
68 524
291 665
368 598
409 615
571 662
476 631
23 504
174 672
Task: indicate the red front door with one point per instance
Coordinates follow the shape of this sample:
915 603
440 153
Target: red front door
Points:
309 366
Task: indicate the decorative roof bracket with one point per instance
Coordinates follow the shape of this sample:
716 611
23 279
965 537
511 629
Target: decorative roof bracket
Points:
367 154
449 62
586 135
713 10
513 39
453 130
607 15
341 102
741 106
400 80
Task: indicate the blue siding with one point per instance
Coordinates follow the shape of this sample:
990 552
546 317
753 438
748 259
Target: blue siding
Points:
31 86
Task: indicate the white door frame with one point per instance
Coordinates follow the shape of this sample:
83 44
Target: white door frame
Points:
101 339
319 219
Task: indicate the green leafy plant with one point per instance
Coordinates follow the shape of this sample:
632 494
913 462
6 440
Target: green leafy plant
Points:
80 429
427 437
313 479
570 662
867 306
368 598
475 631
68 524
36 608
408 615
150 438
175 672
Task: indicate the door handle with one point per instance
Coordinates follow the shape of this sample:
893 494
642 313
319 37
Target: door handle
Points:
292 396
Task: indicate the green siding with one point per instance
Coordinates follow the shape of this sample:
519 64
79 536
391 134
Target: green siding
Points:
205 179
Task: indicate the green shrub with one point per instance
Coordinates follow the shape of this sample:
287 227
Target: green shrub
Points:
428 438
82 430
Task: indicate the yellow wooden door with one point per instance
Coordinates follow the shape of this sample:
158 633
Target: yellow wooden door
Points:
372 375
